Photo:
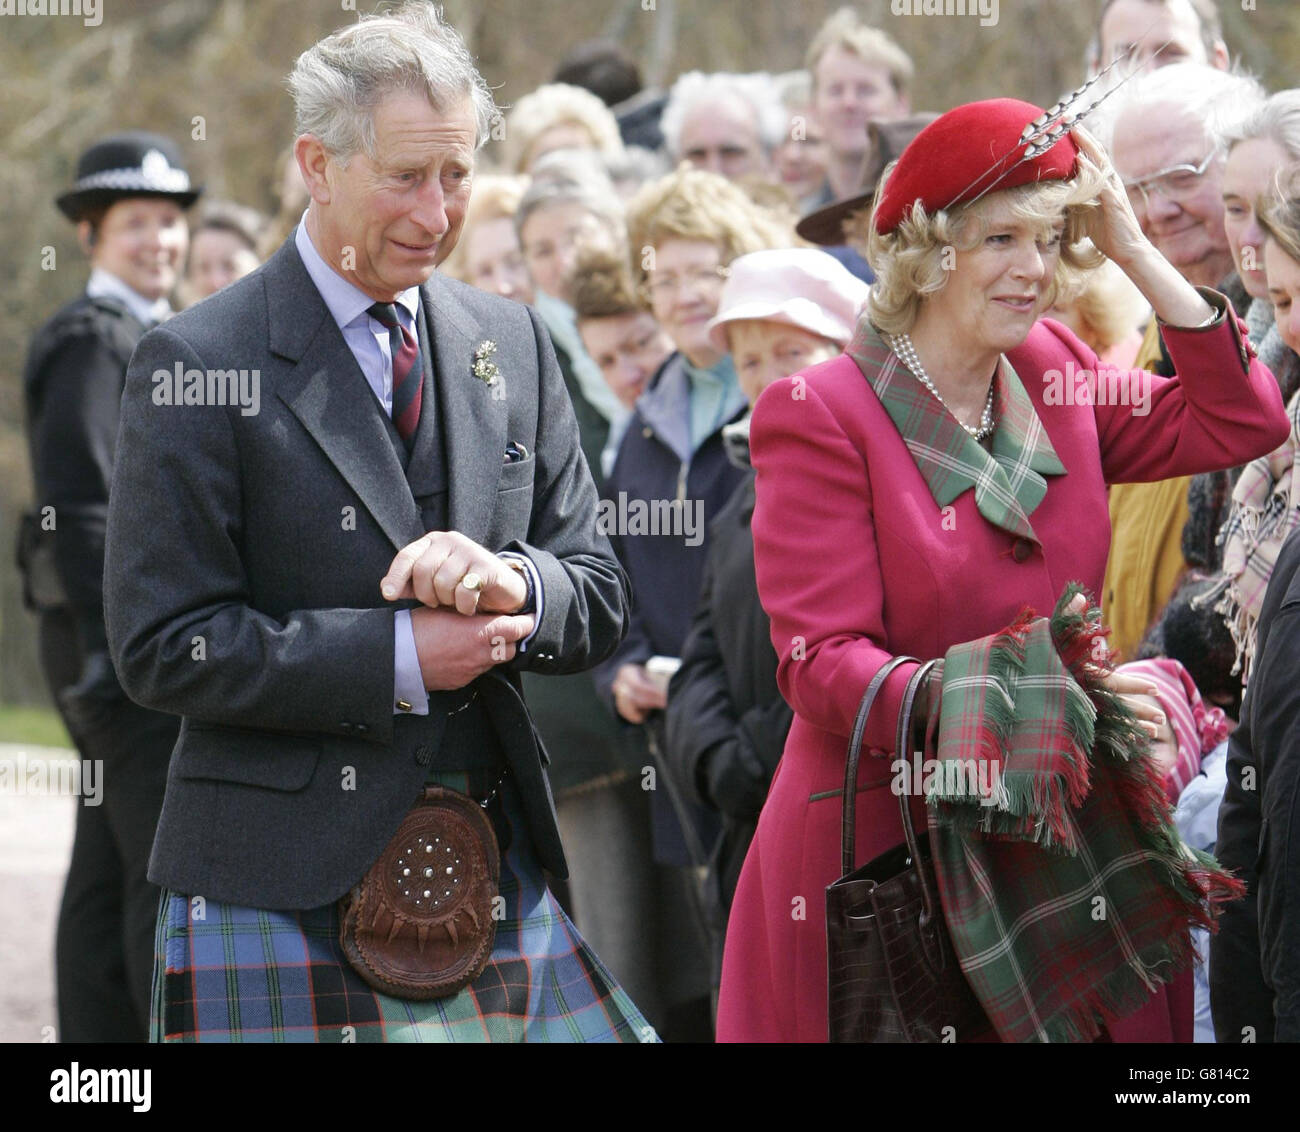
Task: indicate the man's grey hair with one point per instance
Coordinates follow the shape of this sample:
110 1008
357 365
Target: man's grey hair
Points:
696 87
338 82
1216 99
1278 120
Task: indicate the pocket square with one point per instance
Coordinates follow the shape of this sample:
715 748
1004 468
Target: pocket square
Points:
515 453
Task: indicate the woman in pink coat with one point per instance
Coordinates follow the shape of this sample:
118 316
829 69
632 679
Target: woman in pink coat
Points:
948 469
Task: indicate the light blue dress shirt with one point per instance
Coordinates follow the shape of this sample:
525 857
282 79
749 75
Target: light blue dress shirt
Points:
368 341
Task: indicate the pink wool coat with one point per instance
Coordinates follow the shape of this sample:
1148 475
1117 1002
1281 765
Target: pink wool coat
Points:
857 563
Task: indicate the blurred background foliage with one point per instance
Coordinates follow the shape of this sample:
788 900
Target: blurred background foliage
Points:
160 64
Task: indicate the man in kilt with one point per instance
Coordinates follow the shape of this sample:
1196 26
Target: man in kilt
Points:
350 507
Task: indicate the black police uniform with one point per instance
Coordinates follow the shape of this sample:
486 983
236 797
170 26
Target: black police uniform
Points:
104 947
73 381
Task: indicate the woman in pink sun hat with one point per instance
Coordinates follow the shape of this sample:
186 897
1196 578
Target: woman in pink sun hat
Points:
784 310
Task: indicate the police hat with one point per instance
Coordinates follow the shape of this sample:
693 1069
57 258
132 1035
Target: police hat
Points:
134 164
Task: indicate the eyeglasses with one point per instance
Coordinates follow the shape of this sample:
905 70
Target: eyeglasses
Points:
660 285
1176 183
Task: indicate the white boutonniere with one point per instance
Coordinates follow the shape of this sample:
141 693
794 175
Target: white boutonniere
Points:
485 369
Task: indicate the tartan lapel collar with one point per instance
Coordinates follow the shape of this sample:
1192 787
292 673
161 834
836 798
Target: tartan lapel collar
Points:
1009 483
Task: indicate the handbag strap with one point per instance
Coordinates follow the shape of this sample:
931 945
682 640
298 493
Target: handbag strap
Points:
902 750
847 830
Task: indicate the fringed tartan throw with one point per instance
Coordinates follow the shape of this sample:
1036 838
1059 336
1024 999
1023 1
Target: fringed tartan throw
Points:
1067 890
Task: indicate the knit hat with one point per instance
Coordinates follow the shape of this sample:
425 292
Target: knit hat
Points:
1198 729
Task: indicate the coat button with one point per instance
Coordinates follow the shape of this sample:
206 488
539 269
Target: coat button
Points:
362 728
1022 549
424 754
345 725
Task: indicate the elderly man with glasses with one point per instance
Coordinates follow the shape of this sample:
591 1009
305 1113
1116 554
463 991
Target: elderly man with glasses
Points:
1164 138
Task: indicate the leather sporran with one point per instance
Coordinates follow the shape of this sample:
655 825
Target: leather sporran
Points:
892 972
419 924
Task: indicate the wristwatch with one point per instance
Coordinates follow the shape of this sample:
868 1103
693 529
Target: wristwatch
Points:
517 565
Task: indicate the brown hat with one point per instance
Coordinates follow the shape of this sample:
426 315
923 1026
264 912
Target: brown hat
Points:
888 140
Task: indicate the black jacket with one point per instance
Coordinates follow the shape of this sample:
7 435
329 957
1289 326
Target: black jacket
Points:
665 567
1255 958
726 720
72 384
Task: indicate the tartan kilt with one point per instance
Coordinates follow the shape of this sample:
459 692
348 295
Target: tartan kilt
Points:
260 975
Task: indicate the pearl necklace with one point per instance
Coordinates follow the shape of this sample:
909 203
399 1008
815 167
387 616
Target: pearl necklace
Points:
906 352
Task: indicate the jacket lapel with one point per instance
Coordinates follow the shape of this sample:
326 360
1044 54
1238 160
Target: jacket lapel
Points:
1020 444
1009 483
326 390
473 413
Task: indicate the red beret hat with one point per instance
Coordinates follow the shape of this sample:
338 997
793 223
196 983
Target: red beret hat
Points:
971 150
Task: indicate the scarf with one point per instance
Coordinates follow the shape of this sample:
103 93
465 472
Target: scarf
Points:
1066 887
716 397
562 323
1008 482
1265 510
1261 328
1197 729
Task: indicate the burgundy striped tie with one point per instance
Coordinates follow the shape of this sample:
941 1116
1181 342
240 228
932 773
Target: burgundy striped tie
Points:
408 372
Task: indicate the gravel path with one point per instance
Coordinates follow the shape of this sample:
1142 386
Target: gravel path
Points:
35 845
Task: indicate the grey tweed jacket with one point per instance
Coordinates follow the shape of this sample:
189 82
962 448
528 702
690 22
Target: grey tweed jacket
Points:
244 553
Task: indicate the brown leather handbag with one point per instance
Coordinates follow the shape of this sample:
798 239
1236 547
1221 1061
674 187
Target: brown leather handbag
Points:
419 924
892 972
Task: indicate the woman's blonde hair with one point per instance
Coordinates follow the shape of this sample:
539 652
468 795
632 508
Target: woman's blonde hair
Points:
492 197
693 204
915 259
558 104
1279 215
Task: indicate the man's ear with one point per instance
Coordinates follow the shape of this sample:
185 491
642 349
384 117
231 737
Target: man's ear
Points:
312 163
1219 57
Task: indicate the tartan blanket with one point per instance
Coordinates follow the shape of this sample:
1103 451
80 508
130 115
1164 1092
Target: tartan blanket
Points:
1068 892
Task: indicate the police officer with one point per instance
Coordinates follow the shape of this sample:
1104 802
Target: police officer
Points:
128 203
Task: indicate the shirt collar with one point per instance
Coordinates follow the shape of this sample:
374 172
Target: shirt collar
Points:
346 301
148 312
